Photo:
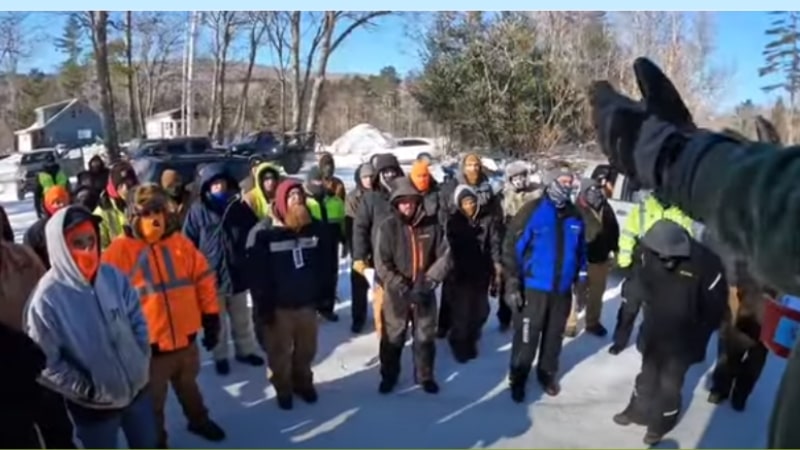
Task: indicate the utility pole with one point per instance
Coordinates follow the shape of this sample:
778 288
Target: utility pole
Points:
190 72
184 70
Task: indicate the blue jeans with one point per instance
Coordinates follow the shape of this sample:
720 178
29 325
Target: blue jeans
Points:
137 420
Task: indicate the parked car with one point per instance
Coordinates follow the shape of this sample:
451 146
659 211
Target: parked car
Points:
32 162
407 149
289 150
150 167
190 145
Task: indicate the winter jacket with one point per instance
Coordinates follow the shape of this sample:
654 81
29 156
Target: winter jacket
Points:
487 200
34 238
329 210
546 247
20 270
353 200
602 231
374 208
407 250
474 246
112 211
284 266
255 197
94 335
95 179
6 231
333 185
175 286
641 218
220 231
513 199
684 306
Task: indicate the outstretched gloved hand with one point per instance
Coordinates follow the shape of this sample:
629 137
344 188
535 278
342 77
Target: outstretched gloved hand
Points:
641 139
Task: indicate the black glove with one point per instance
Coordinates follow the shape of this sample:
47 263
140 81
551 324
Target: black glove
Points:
616 349
515 299
211 328
641 139
422 293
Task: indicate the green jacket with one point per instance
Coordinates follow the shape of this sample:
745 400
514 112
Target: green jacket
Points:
642 217
748 194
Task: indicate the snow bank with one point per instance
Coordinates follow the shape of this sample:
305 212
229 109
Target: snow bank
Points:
361 140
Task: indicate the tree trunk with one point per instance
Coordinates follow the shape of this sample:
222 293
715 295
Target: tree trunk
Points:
241 110
99 21
131 74
297 112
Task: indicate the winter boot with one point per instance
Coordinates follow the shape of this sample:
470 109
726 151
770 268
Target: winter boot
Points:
207 430
472 350
222 367
652 438
622 419
387 385
442 333
597 329
430 386
716 398
285 402
738 402
357 327
251 360
549 384
460 351
330 316
308 395
517 380
570 332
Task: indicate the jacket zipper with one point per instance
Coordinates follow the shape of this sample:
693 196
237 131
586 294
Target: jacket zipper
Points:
415 263
560 232
166 297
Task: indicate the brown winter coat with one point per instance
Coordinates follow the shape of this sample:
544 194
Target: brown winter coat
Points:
20 271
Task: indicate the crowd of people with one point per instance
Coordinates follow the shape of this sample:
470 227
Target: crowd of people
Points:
119 282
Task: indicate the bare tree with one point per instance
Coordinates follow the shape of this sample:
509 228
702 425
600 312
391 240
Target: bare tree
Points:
130 74
277 29
224 26
257 22
99 33
15 46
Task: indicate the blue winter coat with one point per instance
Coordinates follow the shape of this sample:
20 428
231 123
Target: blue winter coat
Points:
219 230
544 249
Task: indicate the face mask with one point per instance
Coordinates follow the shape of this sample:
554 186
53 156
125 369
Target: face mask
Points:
315 189
559 194
152 227
219 197
386 179
519 182
594 197
82 244
327 170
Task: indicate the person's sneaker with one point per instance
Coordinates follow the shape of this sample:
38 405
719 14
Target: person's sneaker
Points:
716 397
598 330
207 430
570 332
329 316
222 366
386 386
551 388
251 360
652 438
308 395
430 386
622 419
518 393
285 402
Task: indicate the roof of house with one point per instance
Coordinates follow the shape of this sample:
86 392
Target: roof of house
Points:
59 106
166 113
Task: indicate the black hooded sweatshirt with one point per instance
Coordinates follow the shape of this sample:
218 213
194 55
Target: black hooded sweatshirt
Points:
373 208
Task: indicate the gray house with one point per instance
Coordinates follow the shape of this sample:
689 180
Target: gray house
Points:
70 123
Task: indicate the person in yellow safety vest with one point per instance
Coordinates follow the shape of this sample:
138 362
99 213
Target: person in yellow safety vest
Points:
641 218
266 177
112 205
50 175
330 210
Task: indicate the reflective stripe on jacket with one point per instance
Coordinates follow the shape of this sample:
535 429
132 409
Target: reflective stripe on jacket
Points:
641 218
175 285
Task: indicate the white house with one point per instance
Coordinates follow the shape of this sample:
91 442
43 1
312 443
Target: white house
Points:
165 124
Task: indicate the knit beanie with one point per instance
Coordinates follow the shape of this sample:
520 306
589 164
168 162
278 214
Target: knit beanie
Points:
280 205
420 176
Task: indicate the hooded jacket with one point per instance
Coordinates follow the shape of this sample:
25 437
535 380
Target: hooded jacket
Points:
474 242
255 198
284 265
514 198
487 200
220 231
354 198
96 180
374 207
409 249
602 228
94 335
333 185
175 286
685 305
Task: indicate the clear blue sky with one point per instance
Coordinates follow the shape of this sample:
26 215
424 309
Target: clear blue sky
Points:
740 40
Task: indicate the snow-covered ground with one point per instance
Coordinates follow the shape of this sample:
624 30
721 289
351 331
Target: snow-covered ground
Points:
473 409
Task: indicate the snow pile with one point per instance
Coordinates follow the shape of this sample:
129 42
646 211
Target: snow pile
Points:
361 140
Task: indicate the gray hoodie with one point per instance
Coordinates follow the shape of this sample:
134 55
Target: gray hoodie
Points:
95 336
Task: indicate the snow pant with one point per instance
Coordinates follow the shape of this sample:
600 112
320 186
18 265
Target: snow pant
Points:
291 343
180 369
469 309
329 279
590 295
100 429
539 326
377 307
656 398
234 308
55 426
740 355
359 286
503 314
445 320
396 314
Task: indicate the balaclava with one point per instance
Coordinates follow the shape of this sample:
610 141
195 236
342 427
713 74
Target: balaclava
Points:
55 198
472 175
172 184
148 212
517 175
462 195
86 258
365 171
314 184
559 194
420 176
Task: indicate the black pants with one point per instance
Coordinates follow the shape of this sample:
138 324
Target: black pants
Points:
38 201
329 279
359 286
739 362
396 314
656 398
445 321
503 310
469 308
539 326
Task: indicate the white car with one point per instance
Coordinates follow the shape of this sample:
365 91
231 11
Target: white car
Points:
407 149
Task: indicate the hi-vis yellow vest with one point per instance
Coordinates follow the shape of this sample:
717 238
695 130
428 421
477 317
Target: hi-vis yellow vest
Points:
642 217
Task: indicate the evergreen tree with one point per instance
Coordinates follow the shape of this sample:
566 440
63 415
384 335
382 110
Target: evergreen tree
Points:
73 74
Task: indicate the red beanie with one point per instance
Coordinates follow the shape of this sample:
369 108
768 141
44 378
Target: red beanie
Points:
279 206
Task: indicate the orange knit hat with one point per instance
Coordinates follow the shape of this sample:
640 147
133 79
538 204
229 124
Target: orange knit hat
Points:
56 198
420 176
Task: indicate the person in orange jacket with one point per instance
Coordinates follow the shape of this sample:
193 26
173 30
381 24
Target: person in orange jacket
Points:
179 298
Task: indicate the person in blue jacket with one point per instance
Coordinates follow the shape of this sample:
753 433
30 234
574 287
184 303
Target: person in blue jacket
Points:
544 256
218 223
